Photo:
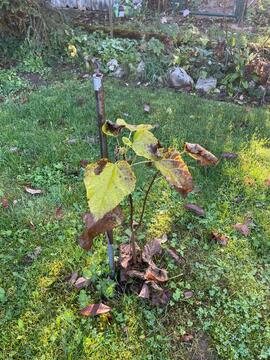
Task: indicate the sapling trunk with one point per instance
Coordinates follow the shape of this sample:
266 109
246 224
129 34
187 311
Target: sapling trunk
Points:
132 236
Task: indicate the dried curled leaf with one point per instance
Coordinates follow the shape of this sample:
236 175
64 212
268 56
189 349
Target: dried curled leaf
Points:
199 153
221 239
242 228
94 228
153 273
33 191
121 122
152 248
95 309
112 129
125 258
175 171
195 209
107 184
144 293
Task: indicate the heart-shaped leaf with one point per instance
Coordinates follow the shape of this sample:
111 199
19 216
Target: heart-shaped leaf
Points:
201 154
146 144
175 171
107 184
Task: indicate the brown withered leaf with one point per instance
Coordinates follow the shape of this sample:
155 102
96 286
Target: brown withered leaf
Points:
228 155
176 172
144 293
242 228
94 228
95 309
59 213
220 238
199 153
160 298
81 283
195 209
267 181
32 191
125 255
153 273
187 338
5 203
151 249
172 252
73 278
135 274
188 294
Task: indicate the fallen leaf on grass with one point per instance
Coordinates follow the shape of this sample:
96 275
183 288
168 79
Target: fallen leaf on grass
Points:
228 155
59 213
95 309
33 191
32 225
146 108
5 203
81 282
221 239
267 181
188 294
160 298
242 228
249 181
153 273
135 274
125 258
172 252
144 293
151 249
202 155
195 209
187 338
73 278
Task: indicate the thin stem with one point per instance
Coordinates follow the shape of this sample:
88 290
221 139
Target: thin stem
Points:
145 199
132 237
141 162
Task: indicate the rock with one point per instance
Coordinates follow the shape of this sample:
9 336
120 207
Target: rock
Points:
113 65
206 85
140 70
119 73
179 78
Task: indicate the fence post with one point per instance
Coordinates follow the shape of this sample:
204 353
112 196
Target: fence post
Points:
100 104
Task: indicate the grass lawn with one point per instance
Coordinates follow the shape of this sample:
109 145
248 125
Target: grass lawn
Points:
228 315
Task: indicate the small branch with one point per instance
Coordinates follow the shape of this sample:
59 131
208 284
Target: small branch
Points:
131 212
145 199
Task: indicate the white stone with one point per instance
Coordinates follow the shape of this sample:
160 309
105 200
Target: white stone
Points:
207 84
179 78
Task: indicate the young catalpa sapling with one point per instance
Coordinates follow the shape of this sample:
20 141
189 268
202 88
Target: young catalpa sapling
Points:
107 183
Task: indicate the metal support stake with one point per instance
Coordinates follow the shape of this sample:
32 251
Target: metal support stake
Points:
99 93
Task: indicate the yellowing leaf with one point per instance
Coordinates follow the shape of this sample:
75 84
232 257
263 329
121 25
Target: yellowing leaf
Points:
111 129
176 172
199 153
121 122
107 184
126 141
146 144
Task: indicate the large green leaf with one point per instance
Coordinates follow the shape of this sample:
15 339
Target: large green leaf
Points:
146 144
107 184
175 171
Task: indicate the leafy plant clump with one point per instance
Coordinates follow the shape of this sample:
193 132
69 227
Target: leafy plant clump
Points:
108 183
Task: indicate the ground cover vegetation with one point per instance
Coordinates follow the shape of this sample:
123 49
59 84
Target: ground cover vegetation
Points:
192 272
